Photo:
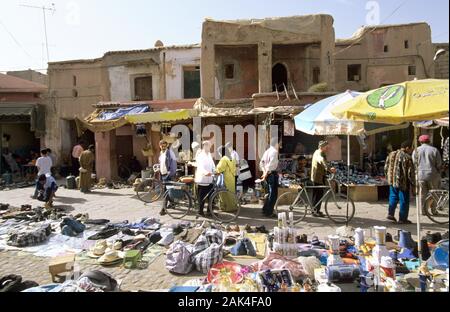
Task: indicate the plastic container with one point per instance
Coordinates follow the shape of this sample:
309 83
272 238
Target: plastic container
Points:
71 183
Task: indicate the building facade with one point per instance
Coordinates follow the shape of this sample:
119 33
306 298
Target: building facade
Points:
22 117
381 55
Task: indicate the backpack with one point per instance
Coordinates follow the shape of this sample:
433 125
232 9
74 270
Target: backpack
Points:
178 258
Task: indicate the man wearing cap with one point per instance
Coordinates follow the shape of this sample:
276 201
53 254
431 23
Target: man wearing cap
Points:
428 162
319 169
269 165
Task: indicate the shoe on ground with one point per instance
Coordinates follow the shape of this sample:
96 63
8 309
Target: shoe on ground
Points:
404 222
271 215
318 214
33 197
162 212
392 218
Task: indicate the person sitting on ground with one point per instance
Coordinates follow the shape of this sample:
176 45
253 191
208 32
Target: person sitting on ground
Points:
399 171
46 188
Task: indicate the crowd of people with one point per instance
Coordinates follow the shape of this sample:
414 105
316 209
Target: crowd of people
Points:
399 171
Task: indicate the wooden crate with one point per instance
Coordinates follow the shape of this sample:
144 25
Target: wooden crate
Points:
363 193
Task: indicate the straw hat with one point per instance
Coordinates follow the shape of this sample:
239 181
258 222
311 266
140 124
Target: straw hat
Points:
111 256
98 250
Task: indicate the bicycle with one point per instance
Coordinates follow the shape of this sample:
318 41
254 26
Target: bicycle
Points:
436 205
335 202
179 198
151 189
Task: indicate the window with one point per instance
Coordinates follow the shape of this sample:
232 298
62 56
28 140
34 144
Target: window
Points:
143 88
386 48
74 80
74 93
353 72
406 43
411 70
316 75
191 82
229 71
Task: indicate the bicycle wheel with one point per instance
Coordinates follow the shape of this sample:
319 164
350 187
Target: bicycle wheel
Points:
285 203
224 206
436 207
149 190
177 202
336 208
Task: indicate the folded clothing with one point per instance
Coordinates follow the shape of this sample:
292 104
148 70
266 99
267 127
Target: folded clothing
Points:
71 227
29 237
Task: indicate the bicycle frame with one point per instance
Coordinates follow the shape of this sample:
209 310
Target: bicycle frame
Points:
309 203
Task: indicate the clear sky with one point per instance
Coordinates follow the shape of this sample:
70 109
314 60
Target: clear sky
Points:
88 28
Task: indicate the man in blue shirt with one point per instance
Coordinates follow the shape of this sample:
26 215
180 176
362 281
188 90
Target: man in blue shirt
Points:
46 187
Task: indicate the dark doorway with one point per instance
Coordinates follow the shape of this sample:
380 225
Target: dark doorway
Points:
279 77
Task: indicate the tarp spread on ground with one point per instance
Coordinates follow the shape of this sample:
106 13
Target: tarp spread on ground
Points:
123 111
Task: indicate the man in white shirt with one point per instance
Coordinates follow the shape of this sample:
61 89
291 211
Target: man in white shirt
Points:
204 174
269 165
44 165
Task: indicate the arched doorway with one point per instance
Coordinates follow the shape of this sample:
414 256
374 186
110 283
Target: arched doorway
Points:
279 77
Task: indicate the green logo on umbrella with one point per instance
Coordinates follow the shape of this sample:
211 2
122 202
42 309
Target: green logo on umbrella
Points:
386 97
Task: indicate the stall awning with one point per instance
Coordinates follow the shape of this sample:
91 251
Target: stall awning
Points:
20 113
15 111
163 116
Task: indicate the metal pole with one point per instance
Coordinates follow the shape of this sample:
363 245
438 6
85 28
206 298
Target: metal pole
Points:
348 177
45 31
418 194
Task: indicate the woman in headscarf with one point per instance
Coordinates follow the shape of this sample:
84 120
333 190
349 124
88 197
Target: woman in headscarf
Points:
227 167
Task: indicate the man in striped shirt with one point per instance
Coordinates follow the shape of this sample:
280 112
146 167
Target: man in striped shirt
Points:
399 171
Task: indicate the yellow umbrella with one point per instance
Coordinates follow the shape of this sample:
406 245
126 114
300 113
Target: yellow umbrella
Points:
414 100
